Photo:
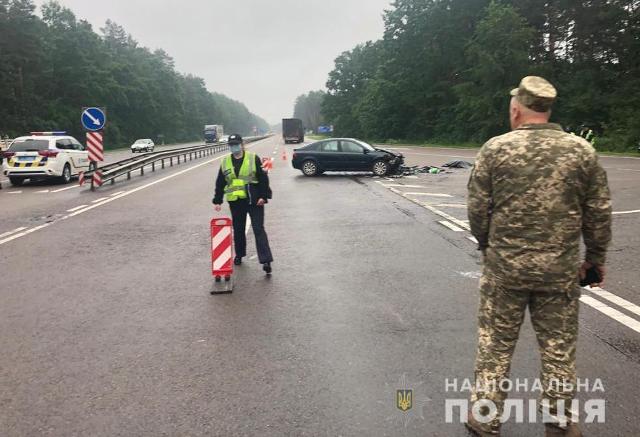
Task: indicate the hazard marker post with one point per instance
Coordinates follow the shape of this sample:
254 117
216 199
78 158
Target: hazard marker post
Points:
93 121
222 255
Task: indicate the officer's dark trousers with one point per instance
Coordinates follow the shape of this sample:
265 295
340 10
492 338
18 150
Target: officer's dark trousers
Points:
239 211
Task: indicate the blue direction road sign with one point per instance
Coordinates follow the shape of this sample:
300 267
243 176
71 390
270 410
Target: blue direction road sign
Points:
93 119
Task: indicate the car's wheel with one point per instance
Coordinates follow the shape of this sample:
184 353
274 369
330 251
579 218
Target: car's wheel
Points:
16 182
66 174
309 168
380 168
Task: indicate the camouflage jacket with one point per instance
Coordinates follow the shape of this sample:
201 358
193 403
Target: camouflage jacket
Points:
532 193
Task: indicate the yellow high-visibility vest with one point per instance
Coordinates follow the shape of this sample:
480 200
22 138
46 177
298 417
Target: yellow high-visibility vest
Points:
236 184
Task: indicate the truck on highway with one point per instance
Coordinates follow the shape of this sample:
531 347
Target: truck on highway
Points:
292 130
213 133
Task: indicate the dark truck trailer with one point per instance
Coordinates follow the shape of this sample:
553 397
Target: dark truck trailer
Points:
292 130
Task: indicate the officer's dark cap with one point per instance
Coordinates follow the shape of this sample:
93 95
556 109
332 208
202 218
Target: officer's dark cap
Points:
235 139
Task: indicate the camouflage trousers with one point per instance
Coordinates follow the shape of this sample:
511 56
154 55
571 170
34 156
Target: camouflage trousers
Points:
555 321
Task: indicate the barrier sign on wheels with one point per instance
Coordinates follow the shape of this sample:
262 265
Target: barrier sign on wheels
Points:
222 254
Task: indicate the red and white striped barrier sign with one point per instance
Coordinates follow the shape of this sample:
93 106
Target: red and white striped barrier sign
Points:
81 178
97 178
95 147
221 247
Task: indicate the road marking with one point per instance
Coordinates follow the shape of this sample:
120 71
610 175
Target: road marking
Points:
115 194
451 205
248 225
119 196
623 303
43 191
65 188
400 185
611 312
451 226
99 200
76 208
6 234
429 194
22 234
472 238
14 192
627 212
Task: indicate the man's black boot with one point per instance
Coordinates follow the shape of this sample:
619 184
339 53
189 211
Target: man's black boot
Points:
237 260
267 268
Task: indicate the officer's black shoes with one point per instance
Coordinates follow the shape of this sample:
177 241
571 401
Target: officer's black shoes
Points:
478 429
572 430
237 260
267 268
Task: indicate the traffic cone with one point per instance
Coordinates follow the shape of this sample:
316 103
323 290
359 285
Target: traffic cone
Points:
284 154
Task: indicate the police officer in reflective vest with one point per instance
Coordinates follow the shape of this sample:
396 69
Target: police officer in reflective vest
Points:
245 185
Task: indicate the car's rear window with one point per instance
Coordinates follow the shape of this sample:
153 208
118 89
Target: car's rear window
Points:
29 145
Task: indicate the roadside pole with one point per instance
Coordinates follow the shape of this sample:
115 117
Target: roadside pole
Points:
93 121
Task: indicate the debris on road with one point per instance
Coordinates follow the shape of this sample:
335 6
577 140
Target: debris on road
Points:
458 164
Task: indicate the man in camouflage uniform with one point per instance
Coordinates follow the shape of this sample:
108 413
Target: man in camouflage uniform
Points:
532 193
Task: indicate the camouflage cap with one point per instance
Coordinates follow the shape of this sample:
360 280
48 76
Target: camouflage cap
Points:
535 93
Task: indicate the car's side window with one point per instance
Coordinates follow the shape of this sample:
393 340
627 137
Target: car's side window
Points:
63 144
330 146
77 145
351 147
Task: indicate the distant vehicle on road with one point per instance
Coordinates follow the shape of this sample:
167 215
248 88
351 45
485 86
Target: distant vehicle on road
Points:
345 154
213 133
292 130
44 155
143 145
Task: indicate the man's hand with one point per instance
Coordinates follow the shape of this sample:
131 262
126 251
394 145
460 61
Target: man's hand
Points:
601 271
260 202
218 208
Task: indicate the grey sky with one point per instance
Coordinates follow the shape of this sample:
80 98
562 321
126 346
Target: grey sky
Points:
263 53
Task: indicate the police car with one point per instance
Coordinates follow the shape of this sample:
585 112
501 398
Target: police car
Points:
44 155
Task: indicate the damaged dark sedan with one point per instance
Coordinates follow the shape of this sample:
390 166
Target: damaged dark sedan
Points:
345 154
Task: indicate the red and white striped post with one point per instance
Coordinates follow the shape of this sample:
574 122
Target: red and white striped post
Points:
96 153
222 252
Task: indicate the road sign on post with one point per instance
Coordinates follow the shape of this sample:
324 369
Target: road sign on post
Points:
93 119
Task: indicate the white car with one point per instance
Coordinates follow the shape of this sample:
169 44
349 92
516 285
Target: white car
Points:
143 145
44 155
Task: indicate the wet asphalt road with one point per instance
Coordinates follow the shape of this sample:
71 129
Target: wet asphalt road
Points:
107 326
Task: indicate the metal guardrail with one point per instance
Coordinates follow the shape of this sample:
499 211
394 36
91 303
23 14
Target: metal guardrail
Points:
110 172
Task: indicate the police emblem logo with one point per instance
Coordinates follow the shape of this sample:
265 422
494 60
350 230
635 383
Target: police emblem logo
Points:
404 399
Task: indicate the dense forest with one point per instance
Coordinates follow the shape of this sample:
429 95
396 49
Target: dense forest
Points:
308 108
51 66
443 69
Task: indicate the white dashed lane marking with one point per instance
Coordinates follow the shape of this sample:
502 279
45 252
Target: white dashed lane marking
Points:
65 188
76 208
451 226
6 234
627 212
428 194
99 200
616 315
